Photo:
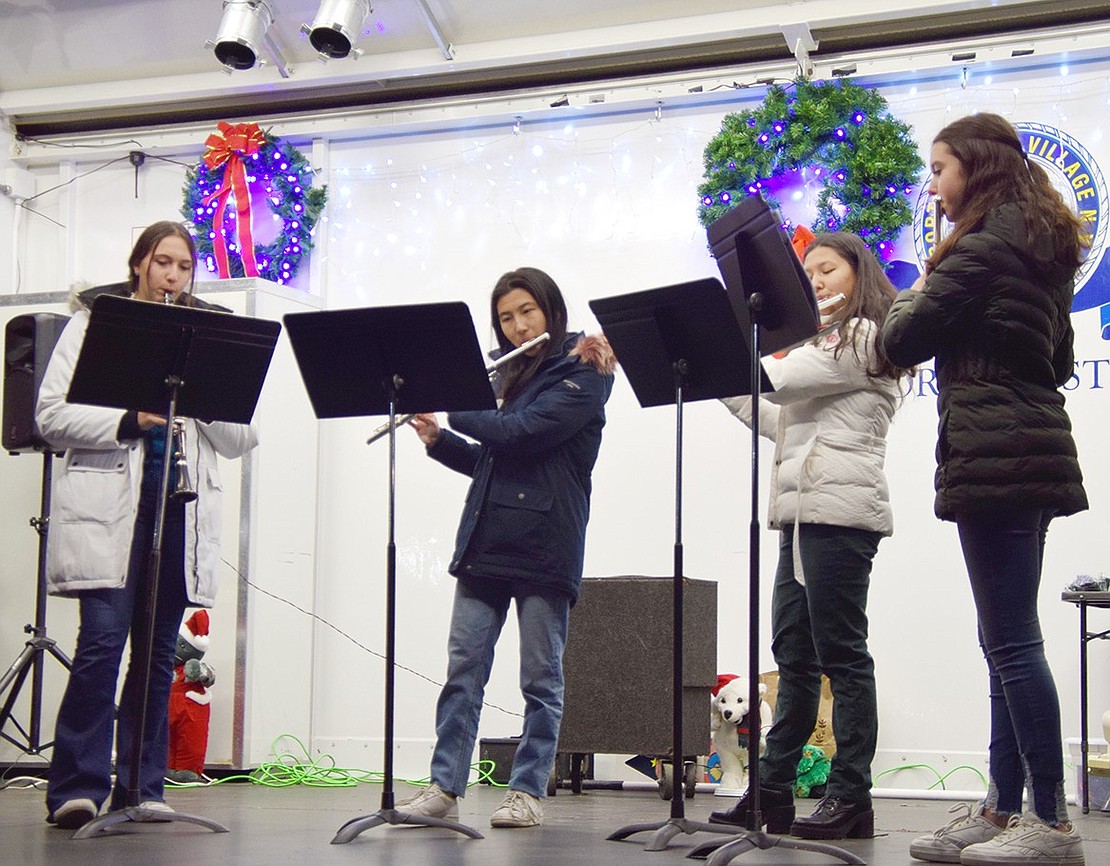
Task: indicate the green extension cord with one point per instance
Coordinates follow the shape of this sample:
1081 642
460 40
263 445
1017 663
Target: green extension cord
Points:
940 779
298 768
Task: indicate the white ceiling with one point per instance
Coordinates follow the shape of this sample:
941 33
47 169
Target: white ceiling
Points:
83 59
53 43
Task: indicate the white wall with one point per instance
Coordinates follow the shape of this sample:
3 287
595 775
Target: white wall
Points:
606 204
7 210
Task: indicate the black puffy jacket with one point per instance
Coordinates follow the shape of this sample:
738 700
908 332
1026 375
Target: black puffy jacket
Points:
996 316
526 511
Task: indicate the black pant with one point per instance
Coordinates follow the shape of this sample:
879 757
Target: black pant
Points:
821 627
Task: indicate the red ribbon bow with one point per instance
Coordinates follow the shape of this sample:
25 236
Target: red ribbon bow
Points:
231 145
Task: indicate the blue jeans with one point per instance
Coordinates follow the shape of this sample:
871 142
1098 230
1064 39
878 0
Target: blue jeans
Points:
476 620
1004 551
81 762
817 628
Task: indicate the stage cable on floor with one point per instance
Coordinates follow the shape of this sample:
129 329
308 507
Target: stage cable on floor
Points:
296 766
941 779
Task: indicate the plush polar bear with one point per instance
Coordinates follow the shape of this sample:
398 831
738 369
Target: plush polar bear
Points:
732 724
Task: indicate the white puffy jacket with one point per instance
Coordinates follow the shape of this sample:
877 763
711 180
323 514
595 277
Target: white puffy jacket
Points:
96 490
829 421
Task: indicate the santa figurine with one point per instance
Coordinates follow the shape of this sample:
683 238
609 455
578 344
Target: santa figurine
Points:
189 701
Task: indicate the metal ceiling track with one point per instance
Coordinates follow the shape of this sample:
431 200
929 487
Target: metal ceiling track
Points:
726 56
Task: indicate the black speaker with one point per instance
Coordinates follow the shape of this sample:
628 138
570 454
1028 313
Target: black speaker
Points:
618 667
28 341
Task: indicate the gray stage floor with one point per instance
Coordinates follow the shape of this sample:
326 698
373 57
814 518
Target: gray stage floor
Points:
296 825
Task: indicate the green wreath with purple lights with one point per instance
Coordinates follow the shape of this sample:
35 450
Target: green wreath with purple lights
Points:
285 177
833 131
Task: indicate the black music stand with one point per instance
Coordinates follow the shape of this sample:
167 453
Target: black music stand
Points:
771 293
676 344
167 360
384 360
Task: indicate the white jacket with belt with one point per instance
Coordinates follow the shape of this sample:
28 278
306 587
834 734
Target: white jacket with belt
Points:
829 421
96 490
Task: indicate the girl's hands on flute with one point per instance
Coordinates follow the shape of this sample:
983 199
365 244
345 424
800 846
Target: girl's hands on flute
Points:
426 426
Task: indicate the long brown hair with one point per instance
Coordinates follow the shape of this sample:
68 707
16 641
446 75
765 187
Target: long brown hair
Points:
997 170
148 242
514 375
871 300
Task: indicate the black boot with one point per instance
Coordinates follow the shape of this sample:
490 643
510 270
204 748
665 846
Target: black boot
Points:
776 808
837 818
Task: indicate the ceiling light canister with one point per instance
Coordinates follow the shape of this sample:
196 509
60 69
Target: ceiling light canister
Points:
337 25
241 32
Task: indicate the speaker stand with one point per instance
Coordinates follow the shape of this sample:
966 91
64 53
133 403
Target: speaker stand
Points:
30 660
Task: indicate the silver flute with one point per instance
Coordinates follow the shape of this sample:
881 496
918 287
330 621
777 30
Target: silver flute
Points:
491 370
938 218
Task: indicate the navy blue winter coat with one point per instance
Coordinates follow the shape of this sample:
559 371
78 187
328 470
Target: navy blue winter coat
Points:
526 511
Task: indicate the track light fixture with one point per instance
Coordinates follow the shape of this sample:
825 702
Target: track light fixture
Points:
336 27
242 32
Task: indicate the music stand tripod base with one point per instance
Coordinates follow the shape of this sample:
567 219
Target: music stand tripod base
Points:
666 831
725 851
394 817
102 826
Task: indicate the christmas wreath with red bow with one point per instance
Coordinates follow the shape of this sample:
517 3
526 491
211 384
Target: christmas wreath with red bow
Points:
241 161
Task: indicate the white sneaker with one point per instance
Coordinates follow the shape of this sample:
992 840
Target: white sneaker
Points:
432 802
74 814
152 812
1027 841
944 845
518 809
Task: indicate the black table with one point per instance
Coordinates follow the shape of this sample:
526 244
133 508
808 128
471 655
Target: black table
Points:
1084 600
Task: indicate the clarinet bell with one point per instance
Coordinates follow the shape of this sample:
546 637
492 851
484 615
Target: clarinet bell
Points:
183 490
